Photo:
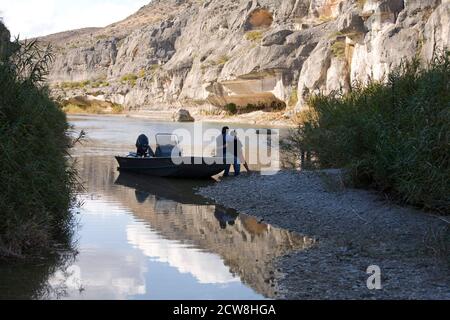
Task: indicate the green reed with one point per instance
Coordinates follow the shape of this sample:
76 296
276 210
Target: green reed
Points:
393 135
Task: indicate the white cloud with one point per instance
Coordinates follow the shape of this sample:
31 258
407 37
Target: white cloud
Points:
207 268
31 18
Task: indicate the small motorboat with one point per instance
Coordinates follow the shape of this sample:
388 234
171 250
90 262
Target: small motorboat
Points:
167 161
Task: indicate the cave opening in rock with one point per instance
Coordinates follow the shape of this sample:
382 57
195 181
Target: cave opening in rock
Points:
259 19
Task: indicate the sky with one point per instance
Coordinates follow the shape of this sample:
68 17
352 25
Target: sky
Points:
31 18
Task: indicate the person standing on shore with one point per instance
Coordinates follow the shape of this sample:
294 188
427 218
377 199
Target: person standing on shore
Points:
222 151
238 155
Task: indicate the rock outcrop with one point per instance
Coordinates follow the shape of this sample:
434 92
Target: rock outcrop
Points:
183 116
247 52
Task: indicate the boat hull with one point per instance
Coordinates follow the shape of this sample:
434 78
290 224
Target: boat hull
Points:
190 167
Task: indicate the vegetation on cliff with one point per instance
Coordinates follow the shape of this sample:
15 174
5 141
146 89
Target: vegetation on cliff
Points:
393 135
36 178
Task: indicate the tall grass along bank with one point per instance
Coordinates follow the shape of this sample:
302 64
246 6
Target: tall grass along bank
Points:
36 178
394 135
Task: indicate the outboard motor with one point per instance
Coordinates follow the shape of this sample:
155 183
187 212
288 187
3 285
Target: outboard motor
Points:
143 146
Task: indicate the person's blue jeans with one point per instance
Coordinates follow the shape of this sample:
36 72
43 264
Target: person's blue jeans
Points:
236 166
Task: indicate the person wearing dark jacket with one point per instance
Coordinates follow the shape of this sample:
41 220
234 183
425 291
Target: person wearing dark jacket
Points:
222 151
143 147
238 155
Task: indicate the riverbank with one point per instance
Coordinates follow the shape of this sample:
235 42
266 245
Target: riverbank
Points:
354 229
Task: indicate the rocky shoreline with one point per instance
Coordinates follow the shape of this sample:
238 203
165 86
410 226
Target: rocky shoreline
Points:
353 229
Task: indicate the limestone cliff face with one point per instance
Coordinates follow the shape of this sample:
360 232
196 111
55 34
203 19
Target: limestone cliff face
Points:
213 52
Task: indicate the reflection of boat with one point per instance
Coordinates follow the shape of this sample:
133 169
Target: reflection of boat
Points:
168 162
180 191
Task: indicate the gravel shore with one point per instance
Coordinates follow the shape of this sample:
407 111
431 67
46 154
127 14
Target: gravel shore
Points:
353 229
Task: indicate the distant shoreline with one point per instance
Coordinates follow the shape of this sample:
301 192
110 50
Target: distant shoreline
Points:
254 118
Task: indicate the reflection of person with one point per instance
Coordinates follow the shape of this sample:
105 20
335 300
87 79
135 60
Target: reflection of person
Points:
224 217
141 196
238 155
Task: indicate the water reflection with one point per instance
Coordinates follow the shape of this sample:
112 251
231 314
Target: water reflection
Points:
224 217
27 280
150 238
242 247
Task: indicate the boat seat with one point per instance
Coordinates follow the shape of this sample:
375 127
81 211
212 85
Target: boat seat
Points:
166 151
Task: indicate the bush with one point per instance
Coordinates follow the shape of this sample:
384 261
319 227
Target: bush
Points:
117 108
231 108
82 105
36 179
76 85
130 78
223 59
394 136
338 49
293 98
154 68
72 108
361 3
99 84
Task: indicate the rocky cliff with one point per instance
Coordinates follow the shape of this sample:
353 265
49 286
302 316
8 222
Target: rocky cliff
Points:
208 53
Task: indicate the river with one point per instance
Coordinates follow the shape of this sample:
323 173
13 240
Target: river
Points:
150 238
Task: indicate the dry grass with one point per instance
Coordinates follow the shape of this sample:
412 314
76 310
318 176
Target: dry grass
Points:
293 99
338 49
361 3
93 108
254 36
223 59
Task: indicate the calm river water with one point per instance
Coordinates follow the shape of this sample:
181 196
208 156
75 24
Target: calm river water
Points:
150 238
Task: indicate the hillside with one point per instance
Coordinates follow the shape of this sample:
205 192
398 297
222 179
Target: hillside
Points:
206 54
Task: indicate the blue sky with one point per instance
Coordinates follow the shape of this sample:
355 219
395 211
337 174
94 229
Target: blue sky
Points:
31 18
